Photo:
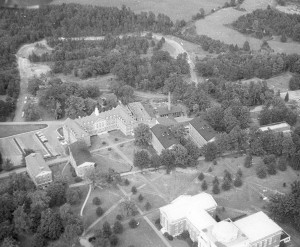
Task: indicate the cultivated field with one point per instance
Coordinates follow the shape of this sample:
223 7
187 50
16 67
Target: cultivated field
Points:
175 9
280 82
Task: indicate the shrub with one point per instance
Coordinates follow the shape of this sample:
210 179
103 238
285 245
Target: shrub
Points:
284 185
170 237
238 181
201 176
73 195
119 217
133 223
109 149
133 190
261 171
204 185
99 211
118 227
283 38
113 239
104 143
248 161
121 145
140 198
73 172
269 159
147 206
157 221
116 139
96 201
185 234
78 179
215 162
210 169
126 182
216 189
227 176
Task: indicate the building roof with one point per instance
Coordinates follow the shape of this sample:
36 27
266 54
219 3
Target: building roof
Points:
138 111
164 135
203 128
80 153
278 127
163 110
166 121
200 218
257 226
36 164
75 128
184 205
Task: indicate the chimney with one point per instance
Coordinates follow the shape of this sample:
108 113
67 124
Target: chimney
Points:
169 101
96 111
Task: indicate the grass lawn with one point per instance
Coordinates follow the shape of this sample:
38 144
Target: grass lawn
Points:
104 163
108 198
10 130
280 82
97 142
84 190
173 8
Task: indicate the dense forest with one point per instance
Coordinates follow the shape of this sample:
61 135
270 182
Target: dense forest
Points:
266 22
239 65
19 26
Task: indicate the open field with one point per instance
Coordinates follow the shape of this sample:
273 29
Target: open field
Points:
214 27
10 130
9 149
175 9
104 163
280 82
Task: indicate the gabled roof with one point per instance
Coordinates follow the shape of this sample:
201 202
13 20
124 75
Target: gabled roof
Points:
164 135
164 110
203 128
257 226
278 127
139 111
75 128
36 164
80 153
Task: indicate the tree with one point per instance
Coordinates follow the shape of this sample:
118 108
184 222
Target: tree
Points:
113 240
118 227
142 135
140 198
216 180
210 151
133 223
180 154
9 242
226 185
281 163
57 192
246 46
141 159
201 176
204 185
38 240
51 226
294 83
296 32
167 158
155 161
71 233
147 206
106 230
239 172
33 86
99 211
128 208
22 221
261 171
238 181
31 112
75 107
7 165
216 189
133 190
96 201
73 195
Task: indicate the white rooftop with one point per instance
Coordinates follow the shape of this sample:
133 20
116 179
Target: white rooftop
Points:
257 226
200 218
279 127
179 208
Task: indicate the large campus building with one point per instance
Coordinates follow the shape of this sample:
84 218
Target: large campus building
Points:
123 118
195 214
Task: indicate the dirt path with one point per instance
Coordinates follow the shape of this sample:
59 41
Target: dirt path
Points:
27 70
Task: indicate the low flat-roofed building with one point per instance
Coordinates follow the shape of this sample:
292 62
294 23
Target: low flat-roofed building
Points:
38 170
81 158
277 127
166 121
170 111
195 214
162 138
201 132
